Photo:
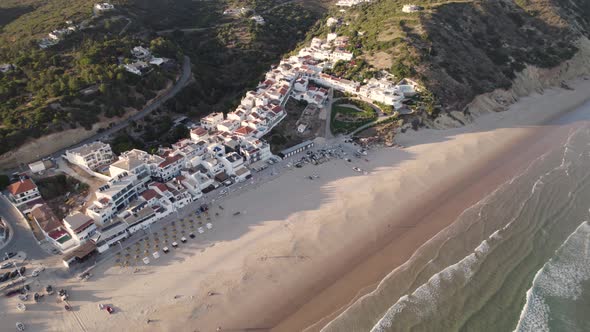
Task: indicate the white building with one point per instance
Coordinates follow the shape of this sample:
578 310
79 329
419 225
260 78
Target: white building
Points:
6 67
211 121
411 8
199 133
258 19
23 191
137 68
103 7
169 168
91 156
331 21
111 234
141 53
37 167
53 230
80 226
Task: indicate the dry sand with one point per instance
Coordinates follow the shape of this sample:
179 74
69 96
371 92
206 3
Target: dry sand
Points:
304 249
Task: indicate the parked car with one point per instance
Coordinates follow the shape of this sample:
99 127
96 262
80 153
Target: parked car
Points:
192 235
9 255
174 244
7 265
183 239
165 250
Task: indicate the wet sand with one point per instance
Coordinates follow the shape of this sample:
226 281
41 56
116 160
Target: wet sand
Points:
421 222
302 250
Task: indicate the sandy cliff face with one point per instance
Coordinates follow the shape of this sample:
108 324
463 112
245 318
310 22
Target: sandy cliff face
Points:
531 80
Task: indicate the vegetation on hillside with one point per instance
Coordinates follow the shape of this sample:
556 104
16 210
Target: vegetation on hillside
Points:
81 81
229 60
350 114
460 49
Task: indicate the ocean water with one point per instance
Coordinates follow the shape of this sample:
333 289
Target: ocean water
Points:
519 260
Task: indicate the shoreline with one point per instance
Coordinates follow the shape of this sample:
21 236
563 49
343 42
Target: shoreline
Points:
378 264
302 250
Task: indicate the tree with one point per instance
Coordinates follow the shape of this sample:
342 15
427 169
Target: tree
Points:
4 181
73 84
103 88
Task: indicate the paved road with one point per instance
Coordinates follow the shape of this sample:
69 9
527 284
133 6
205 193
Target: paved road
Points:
22 237
151 106
365 126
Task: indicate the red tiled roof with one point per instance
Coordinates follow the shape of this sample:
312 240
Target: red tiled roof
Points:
170 160
21 186
104 200
149 194
45 218
58 233
84 226
180 178
244 130
277 109
200 131
162 187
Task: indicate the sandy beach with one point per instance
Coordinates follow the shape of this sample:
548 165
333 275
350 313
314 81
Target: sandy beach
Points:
302 250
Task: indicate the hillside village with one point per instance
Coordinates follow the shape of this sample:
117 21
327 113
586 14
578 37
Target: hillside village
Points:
140 188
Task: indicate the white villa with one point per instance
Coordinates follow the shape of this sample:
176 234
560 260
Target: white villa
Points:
23 191
258 19
90 156
103 7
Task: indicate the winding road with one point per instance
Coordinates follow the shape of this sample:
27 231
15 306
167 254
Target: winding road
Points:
22 239
151 106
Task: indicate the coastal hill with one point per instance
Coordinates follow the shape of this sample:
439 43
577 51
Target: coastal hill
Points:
77 84
461 49
456 50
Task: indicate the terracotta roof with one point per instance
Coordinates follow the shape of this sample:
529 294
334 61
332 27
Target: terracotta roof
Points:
104 200
277 109
199 131
21 186
244 130
80 252
162 187
58 233
149 194
170 160
45 218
